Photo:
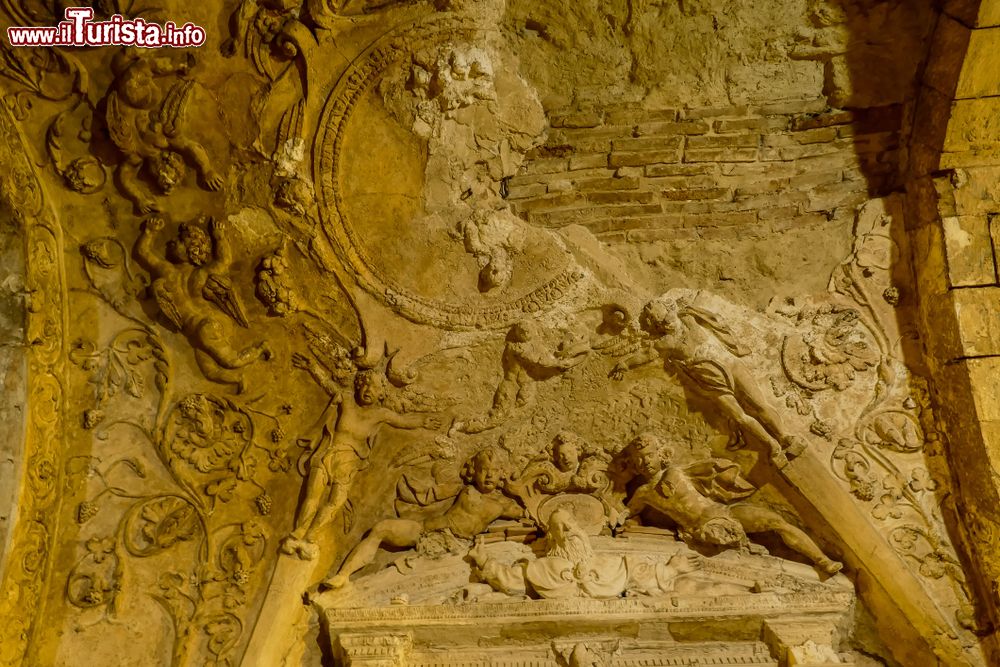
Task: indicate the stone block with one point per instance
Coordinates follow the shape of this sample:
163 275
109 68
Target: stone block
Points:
977 310
949 46
969 250
974 124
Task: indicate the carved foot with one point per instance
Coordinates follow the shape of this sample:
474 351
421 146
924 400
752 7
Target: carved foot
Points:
779 459
830 566
304 549
794 446
335 582
213 181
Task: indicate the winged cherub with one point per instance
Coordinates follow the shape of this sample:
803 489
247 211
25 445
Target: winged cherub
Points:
144 123
193 293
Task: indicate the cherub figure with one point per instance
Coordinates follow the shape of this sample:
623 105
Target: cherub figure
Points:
480 502
191 289
704 500
350 424
144 124
568 464
707 353
526 359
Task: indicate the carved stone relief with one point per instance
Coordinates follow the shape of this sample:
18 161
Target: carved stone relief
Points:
329 311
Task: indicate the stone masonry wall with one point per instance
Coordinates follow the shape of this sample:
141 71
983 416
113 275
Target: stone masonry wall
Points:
635 175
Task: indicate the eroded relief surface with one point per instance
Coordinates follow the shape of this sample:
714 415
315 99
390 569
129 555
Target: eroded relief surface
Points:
475 333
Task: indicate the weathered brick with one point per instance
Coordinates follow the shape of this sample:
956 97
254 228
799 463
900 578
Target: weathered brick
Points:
571 216
827 118
527 179
698 194
635 116
686 127
655 170
769 124
725 141
791 107
756 172
818 135
578 119
638 159
772 199
720 155
778 213
526 190
588 161
715 112
760 186
681 182
646 144
603 184
546 166
549 201
621 197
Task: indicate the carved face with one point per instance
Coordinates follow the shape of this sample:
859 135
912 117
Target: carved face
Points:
197 248
648 455
659 317
369 388
566 453
485 476
168 169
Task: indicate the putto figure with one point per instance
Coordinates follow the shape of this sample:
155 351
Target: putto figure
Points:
144 124
704 500
528 358
480 502
193 293
344 443
706 351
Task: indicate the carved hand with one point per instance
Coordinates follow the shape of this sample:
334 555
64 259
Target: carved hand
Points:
432 423
618 372
303 362
153 224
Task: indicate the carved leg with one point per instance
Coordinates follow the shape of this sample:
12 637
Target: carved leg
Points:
394 532
213 372
196 153
757 405
211 336
732 409
128 180
316 483
338 498
762 520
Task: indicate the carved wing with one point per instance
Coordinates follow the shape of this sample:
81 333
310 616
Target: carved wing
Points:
219 290
120 125
172 108
164 299
720 480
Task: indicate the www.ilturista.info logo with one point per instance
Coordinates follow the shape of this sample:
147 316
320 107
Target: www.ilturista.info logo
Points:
79 29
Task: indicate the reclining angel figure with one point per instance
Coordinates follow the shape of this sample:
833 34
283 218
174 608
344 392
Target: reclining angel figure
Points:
706 501
194 294
480 502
